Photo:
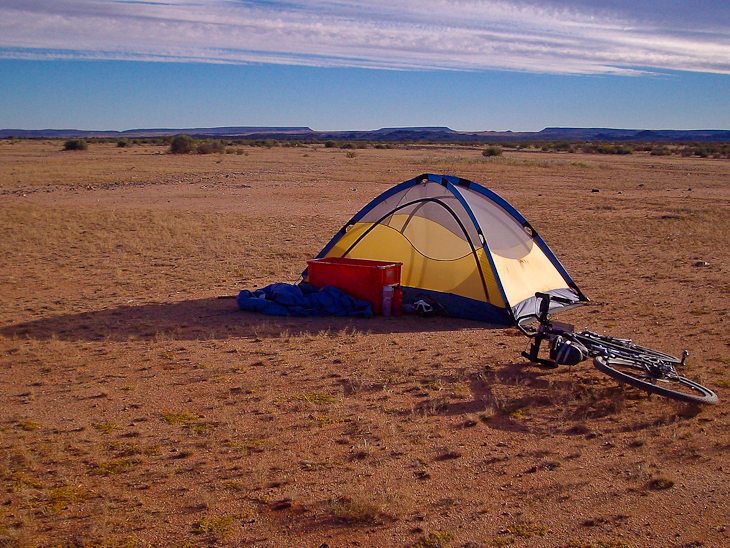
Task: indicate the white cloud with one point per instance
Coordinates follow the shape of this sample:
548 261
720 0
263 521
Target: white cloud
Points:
558 37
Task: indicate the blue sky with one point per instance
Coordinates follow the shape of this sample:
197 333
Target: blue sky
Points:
340 64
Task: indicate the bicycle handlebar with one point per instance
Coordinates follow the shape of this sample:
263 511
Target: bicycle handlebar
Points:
547 297
542 315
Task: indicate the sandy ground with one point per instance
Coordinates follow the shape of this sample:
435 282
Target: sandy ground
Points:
139 408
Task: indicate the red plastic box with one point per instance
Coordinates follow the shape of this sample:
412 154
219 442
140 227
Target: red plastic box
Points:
357 277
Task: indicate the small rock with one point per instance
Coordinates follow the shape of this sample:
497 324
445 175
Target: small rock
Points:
595 190
448 455
282 504
701 263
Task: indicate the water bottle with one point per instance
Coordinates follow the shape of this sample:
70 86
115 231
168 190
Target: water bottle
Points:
387 300
396 306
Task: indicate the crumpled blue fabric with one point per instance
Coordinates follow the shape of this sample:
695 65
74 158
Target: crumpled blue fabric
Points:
281 299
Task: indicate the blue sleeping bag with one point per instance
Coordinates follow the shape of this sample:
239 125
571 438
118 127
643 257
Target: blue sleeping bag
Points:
282 299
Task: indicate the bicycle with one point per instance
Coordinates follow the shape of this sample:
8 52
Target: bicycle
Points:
621 359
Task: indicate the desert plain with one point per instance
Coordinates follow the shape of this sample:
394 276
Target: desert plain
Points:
138 407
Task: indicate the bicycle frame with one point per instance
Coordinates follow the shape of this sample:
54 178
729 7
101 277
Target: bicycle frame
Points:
657 365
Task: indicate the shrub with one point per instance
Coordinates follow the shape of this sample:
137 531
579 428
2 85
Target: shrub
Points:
605 148
123 142
75 144
330 144
268 143
182 144
492 151
209 147
588 148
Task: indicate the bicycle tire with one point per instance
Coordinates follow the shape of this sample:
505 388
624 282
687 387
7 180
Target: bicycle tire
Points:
631 371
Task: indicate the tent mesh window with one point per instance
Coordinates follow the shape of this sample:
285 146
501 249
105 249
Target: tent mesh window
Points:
431 219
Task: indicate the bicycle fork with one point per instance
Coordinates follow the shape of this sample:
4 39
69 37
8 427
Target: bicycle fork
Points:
534 354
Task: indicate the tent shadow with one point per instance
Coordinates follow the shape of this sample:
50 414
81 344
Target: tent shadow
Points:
212 318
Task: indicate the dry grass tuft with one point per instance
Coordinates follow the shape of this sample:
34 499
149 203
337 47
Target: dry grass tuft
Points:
318 398
435 539
28 425
106 427
219 527
61 498
527 530
115 466
23 481
189 421
360 511
574 543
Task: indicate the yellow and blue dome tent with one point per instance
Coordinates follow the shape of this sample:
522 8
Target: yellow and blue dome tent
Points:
460 245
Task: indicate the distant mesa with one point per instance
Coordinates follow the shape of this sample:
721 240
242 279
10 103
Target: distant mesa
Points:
433 134
428 129
152 132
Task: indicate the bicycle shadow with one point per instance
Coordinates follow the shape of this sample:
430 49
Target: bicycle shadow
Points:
213 318
520 398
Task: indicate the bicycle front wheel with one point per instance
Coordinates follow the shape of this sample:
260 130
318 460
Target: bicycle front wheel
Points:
633 372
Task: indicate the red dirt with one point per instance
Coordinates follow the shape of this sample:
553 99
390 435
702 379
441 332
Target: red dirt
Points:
138 408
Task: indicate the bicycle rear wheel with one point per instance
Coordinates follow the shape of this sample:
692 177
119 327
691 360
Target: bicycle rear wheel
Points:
632 371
